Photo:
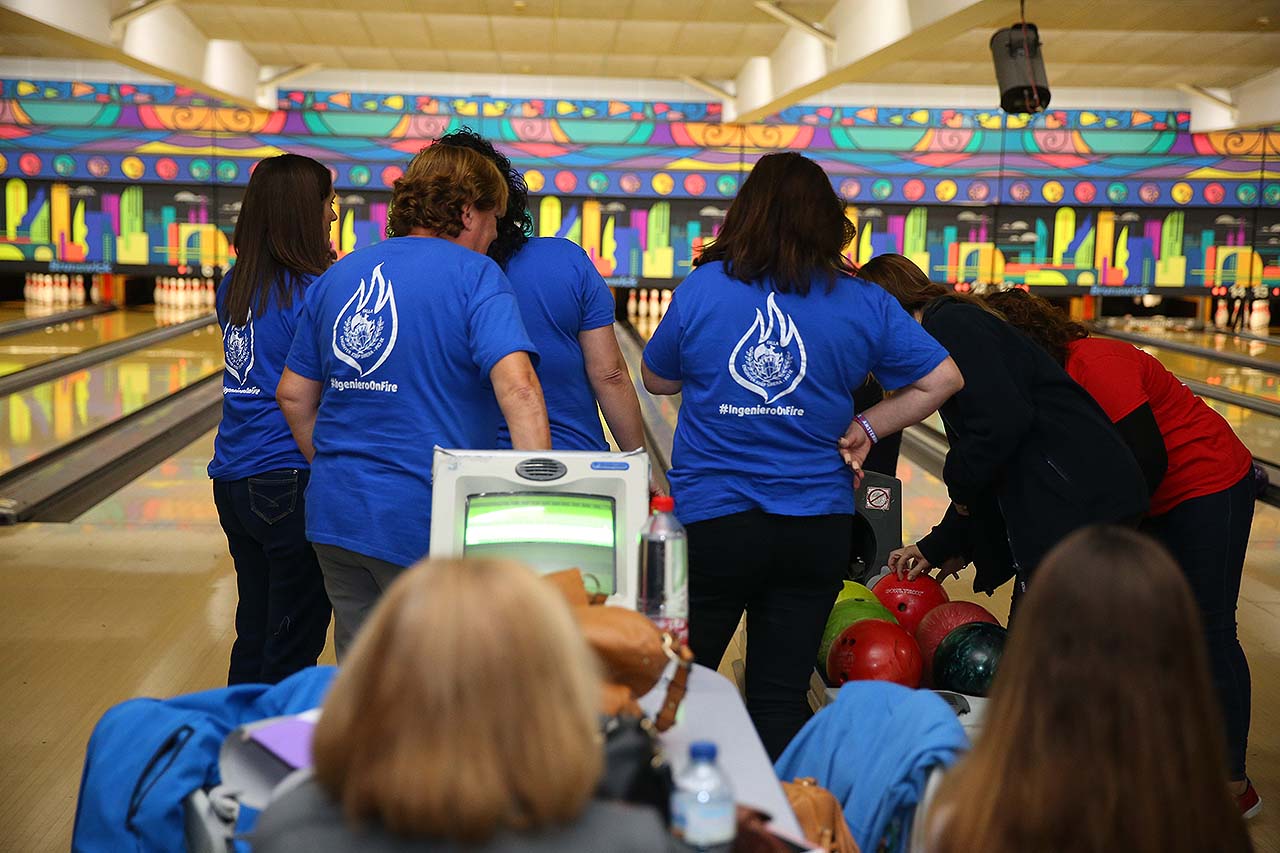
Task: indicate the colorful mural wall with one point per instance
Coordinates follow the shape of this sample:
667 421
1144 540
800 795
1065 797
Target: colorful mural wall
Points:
119 176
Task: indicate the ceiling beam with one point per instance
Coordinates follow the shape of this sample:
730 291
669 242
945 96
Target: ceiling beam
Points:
717 92
869 35
796 23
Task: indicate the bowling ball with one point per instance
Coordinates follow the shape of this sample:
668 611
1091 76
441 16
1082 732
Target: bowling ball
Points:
967 658
908 600
853 589
844 614
940 621
874 649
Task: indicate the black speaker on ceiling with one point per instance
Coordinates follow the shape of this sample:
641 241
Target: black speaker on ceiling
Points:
1024 88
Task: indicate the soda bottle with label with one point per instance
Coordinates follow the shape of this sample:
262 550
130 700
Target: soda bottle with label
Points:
664 569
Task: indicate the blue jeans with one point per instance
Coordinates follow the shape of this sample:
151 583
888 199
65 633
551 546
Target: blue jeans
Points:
282 616
1209 536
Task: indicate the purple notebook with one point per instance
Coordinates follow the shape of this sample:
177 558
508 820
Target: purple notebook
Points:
288 740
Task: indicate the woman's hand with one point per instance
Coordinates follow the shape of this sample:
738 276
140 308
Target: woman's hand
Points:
854 446
909 563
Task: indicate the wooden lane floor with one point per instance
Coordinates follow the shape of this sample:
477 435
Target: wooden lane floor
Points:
39 419
27 349
135 598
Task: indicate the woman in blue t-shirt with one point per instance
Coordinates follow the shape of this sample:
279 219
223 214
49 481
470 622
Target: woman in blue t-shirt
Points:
568 310
407 344
259 475
767 341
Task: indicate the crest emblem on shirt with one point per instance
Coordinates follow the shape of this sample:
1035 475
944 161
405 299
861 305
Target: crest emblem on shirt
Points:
364 333
769 360
237 345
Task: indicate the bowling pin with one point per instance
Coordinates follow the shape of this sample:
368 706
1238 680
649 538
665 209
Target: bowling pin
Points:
26 288
631 303
666 303
95 292
1223 315
1260 319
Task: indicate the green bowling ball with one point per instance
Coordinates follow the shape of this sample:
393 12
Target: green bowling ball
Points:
854 607
853 589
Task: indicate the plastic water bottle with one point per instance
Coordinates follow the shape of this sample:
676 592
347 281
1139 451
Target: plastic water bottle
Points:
702 808
664 569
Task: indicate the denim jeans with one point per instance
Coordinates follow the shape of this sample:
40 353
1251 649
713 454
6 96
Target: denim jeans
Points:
282 615
1209 536
785 572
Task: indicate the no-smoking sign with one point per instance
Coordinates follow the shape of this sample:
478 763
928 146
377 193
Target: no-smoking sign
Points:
877 497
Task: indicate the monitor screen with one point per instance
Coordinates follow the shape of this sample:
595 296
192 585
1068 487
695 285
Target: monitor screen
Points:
548 531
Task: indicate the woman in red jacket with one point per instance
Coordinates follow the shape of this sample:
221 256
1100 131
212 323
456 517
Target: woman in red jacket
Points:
1201 480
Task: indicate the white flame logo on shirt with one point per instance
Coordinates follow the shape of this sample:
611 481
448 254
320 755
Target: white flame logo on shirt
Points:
237 345
774 359
360 333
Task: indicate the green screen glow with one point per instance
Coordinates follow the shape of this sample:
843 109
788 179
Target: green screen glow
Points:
547 531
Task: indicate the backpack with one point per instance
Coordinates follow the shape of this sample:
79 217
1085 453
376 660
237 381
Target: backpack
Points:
146 756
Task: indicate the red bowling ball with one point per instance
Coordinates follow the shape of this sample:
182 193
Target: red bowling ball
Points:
910 600
873 649
940 621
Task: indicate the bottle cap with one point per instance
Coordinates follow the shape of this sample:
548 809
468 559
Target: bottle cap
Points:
662 503
702 750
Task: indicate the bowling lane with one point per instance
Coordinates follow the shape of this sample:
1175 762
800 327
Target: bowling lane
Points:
27 349
176 494
41 418
12 311
1220 342
1244 380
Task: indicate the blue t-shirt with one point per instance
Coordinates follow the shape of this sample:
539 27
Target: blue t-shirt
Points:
560 295
402 335
768 381
253 436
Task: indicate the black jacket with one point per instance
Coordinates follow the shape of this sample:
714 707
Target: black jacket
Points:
1026 440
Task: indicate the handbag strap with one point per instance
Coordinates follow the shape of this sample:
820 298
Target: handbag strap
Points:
683 657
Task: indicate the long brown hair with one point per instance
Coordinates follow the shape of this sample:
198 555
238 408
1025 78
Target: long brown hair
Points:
439 182
280 236
787 225
909 284
467 706
1039 319
1102 732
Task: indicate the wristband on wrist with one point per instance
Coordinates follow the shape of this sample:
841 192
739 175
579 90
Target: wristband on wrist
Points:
866 426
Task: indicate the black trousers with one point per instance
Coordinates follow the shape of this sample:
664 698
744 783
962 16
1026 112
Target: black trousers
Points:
785 572
1209 536
282 615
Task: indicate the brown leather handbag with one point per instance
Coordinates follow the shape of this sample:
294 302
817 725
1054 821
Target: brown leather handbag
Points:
820 816
632 651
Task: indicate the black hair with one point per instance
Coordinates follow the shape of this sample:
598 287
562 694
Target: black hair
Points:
515 227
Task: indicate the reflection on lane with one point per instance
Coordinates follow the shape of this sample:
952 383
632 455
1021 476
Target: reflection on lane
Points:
1259 432
27 349
43 417
1244 380
1220 342
175 493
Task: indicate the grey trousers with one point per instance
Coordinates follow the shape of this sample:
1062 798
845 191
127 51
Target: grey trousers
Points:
354 583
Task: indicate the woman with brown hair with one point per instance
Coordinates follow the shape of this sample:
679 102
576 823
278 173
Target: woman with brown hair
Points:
1100 733
1202 490
412 342
465 716
259 475
1031 455
767 340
